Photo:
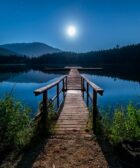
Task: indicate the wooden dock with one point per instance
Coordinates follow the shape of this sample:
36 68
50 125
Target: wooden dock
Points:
74 115
73 110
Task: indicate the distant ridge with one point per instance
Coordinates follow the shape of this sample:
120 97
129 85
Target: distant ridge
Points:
6 52
34 49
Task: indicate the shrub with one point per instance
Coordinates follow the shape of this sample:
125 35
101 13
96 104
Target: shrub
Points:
15 122
125 124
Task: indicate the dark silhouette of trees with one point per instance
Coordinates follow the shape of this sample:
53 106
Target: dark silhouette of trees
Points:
128 55
13 59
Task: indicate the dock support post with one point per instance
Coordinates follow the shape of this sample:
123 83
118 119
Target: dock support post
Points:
57 95
94 115
44 118
63 85
66 82
87 94
82 86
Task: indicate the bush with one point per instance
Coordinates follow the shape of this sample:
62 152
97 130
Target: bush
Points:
125 125
15 123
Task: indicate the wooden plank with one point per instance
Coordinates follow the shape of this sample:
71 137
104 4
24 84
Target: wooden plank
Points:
71 122
70 128
68 132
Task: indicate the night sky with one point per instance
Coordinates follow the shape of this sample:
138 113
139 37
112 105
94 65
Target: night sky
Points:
100 24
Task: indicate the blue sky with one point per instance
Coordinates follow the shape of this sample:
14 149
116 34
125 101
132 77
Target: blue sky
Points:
101 24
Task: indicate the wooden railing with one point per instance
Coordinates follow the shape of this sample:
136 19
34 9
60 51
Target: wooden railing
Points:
85 86
46 101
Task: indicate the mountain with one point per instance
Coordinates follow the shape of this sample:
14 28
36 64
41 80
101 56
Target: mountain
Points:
34 49
6 52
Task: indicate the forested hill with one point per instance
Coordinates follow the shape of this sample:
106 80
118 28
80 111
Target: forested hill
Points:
34 49
5 52
128 55
124 55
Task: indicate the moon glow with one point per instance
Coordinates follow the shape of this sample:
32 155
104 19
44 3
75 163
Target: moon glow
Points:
71 31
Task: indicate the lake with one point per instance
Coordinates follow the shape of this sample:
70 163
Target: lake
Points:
22 84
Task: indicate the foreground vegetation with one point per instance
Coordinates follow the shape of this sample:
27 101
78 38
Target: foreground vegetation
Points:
16 129
123 125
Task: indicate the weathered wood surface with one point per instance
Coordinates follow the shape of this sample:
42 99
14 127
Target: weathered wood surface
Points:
74 115
74 80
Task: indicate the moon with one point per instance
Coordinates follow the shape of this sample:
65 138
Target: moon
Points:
71 31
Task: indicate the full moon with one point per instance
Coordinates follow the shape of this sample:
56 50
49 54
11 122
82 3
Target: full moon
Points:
71 31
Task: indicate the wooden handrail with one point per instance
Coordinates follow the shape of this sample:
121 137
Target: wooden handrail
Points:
46 102
93 97
49 86
93 85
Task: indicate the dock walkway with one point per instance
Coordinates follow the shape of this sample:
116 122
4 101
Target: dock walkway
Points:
74 115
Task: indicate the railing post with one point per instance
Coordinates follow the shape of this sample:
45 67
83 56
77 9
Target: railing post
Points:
63 88
87 93
66 82
83 88
44 119
81 83
94 115
57 95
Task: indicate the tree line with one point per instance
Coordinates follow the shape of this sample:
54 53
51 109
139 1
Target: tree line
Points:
128 55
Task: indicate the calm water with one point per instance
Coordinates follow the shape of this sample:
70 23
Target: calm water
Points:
22 85
117 92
